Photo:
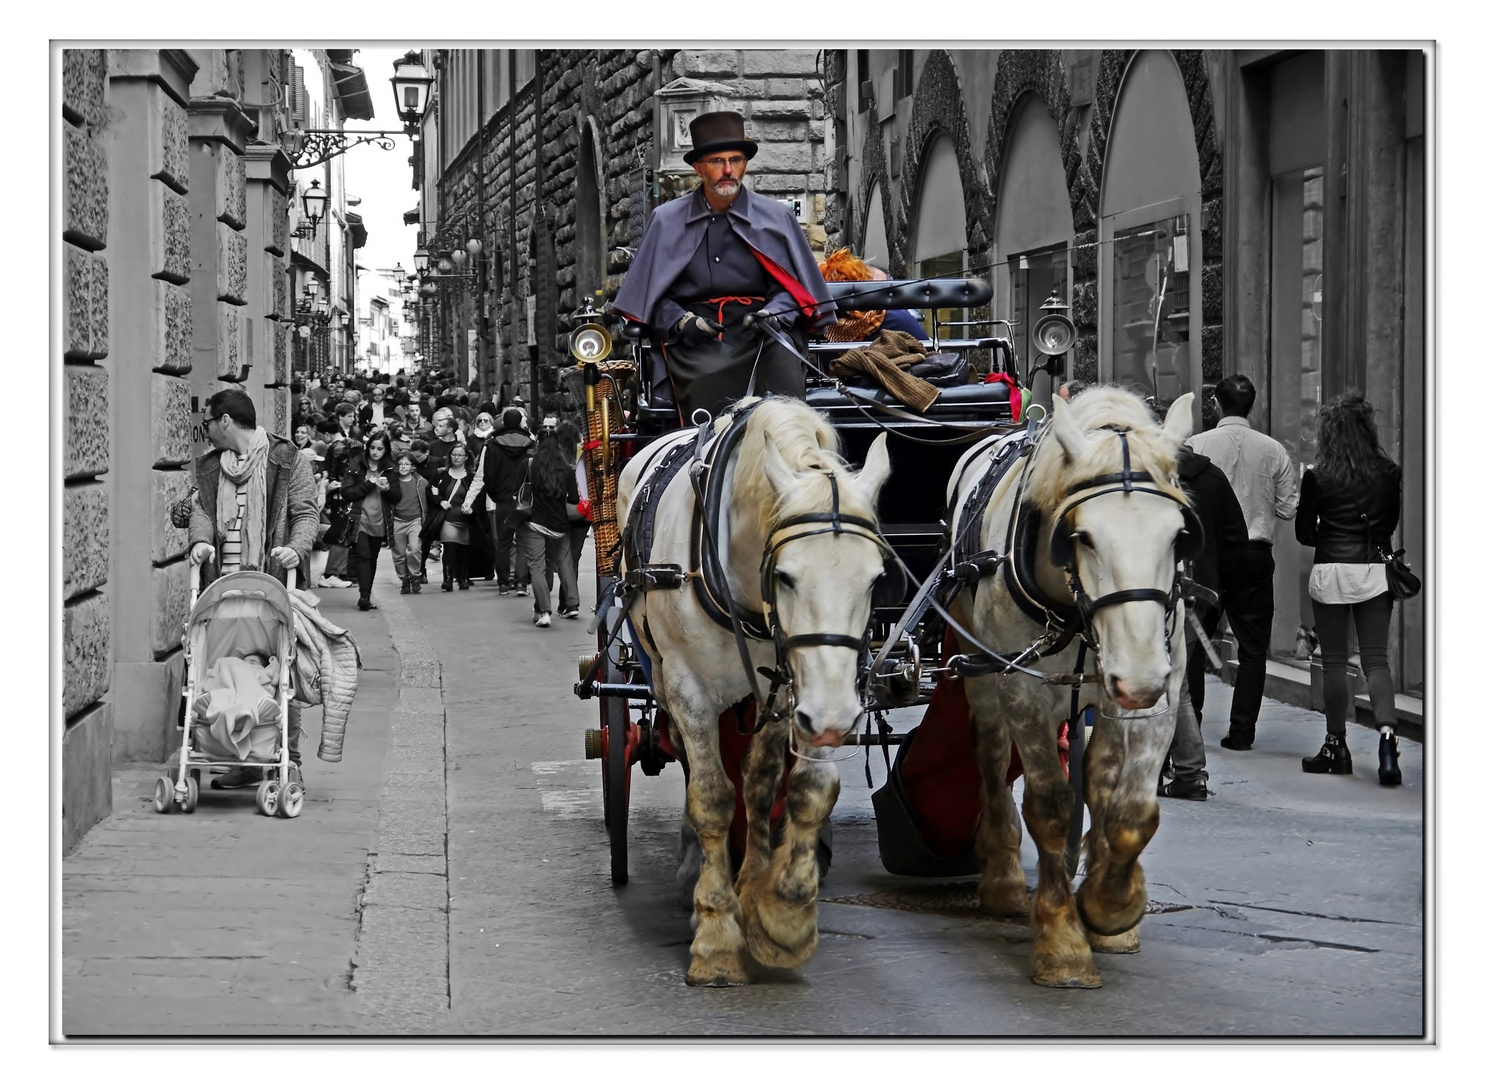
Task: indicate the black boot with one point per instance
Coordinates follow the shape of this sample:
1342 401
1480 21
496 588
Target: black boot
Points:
447 574
1333 757
1388 773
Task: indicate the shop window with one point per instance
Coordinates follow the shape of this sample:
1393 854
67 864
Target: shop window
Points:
1298 262
1033 275
1151 308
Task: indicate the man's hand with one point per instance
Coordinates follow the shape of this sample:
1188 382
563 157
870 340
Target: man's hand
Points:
285 556
783 322
200 554
696 330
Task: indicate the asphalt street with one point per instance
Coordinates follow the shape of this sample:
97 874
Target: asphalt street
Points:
450 878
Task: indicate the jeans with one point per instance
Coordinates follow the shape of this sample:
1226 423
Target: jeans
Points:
362 559
1333 624
506 542
1250 611
576 537
1188 750
406 547
337 561
540 549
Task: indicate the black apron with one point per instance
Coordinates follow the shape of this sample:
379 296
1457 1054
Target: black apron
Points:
717 373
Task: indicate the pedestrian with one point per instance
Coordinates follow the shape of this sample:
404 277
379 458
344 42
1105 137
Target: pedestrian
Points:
503 471
347 417
301 436
374 412
579 514
1224 539
1262 478
553 484
1349 506
481 555
448 519
367 489
255 510
408 508
342 519
713 257
444 437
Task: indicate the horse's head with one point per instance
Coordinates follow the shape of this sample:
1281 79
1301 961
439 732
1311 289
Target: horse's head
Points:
1119 522
818 574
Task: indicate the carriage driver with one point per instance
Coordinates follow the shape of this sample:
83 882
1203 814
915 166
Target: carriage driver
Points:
714 256
255 510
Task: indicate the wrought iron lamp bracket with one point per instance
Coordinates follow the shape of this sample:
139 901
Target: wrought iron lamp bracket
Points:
323 144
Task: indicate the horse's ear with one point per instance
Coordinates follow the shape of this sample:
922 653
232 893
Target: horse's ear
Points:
875 468
1067 432
1178 423
776 470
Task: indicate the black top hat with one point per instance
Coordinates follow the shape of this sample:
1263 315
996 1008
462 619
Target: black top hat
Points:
718 131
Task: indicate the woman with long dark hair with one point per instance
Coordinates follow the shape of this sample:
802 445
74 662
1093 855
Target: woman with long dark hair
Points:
1348 508
451 519
578 519
553 485
366 487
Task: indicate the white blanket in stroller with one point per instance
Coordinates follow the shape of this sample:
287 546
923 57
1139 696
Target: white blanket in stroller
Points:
236 712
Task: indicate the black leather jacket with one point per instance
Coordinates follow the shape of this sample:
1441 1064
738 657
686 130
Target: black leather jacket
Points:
1330 519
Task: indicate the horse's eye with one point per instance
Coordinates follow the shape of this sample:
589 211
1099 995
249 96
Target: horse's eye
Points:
784 580
1084 539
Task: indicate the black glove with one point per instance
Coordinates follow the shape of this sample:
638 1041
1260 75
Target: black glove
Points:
784 322
696 330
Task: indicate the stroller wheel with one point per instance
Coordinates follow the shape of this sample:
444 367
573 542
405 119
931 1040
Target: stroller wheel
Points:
190 803
165 796
289 803
266 797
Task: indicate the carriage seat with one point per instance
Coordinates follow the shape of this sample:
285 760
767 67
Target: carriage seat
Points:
921 293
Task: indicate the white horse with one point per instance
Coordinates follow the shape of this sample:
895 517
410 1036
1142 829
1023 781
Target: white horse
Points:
1106 560
776 531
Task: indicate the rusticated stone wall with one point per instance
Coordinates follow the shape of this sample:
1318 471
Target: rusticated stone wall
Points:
607 96
86 640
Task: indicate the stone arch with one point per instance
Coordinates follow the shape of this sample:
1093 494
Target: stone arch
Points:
875 176
937 110
1018 74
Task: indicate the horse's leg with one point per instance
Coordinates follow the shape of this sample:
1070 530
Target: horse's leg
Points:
717 957
1002 890
1062 956
780 920
762 772
1122 778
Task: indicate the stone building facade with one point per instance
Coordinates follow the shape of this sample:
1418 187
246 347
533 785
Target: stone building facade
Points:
175 251
577 146
1203 212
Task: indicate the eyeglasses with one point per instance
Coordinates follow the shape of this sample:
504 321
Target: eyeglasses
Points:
737 161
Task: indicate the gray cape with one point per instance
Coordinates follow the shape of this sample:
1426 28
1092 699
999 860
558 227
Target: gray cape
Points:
769 229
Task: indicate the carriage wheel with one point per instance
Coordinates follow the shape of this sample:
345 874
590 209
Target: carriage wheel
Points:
616 787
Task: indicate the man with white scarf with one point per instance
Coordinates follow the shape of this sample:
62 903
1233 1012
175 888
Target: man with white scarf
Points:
256 509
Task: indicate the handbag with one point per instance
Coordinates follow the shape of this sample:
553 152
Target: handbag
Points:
1402 581
525 498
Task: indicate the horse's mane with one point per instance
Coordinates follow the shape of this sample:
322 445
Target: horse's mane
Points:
1150 448
809 445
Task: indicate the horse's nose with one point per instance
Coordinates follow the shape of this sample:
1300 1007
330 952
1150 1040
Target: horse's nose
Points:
831 735
1129 696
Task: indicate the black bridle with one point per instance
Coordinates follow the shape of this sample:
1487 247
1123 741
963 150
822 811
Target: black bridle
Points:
836 523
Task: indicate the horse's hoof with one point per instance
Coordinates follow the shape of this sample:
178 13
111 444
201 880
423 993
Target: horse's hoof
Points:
1126 942
769 951
718 971
1076 975
1008 900
1105 922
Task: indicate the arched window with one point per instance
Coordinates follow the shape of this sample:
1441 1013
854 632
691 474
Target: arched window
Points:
1033 228
1149 309
590 247
939 245
875 236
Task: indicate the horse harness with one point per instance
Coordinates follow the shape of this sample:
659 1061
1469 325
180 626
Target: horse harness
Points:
710 458
1062 622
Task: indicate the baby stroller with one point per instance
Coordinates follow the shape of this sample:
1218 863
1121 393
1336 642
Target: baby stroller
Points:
236 713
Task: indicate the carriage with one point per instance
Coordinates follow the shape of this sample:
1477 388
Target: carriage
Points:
629 405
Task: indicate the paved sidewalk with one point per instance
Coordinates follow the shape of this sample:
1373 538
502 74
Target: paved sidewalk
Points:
225 922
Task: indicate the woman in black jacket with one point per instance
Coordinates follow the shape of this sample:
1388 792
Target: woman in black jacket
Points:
367 483
452 521
553 485
1348 509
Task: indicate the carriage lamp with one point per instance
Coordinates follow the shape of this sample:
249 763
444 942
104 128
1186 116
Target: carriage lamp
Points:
1054 332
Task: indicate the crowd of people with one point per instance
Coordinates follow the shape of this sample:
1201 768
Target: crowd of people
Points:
434 473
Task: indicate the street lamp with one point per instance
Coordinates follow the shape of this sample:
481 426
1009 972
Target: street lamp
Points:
412 85
314 205
423 260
